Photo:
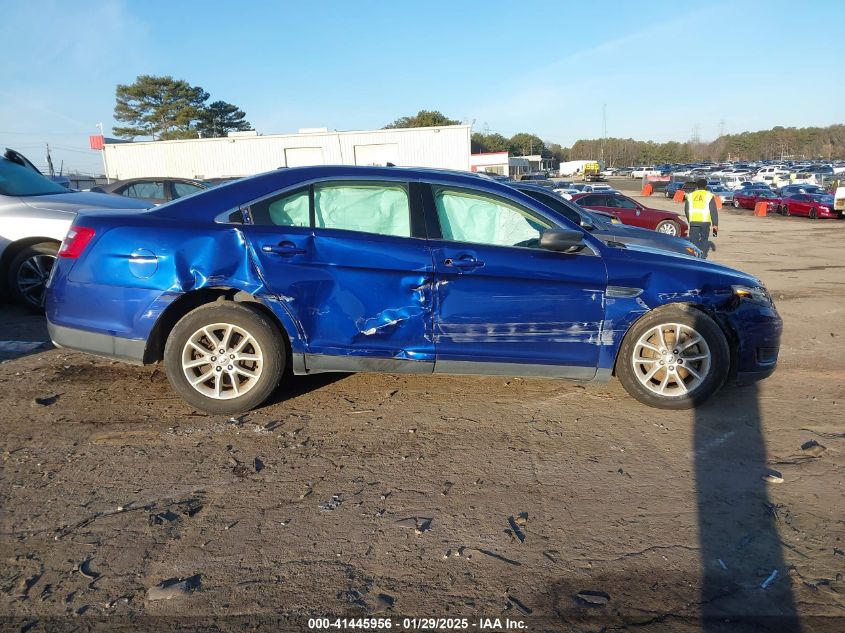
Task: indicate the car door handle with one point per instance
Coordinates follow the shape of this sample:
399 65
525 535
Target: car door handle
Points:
283 248
464 263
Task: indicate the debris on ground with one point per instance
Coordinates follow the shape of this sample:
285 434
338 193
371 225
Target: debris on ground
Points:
331 504
174 588
515 529
813 448
519 605
592 598
770 579
258 464
773 477
419 524
46 401
84 568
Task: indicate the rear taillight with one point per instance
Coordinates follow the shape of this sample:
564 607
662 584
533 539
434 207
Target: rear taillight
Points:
75 241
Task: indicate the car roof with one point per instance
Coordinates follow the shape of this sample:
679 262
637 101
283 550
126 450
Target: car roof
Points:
230 195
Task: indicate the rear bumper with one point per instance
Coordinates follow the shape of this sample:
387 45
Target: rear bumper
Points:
127 350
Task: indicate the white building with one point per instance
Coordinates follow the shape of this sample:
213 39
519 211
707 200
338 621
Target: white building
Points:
499 163
248 153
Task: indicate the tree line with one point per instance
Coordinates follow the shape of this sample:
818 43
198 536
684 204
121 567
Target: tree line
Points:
779 142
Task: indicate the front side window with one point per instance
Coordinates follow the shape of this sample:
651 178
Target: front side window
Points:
380 208
480 219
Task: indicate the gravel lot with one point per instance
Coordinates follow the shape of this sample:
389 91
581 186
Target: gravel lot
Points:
391 496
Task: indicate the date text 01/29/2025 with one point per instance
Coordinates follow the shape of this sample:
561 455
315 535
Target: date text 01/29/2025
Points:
417 624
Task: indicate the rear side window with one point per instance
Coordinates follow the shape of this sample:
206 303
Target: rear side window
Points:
466 216
145 191
380 208
288 209
181 189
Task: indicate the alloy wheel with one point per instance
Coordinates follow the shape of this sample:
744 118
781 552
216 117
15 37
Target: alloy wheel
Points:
671 359
222 361
32 277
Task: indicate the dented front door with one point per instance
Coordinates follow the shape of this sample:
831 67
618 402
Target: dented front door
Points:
504 305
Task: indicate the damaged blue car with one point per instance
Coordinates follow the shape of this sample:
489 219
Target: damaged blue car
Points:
382 269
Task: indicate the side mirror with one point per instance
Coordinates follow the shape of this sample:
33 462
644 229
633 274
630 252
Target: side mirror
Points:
562 240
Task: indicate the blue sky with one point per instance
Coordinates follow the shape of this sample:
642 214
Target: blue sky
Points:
662 68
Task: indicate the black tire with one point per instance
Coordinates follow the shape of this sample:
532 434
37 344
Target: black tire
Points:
736 204
270 347
31 265
675 229
717 373
814 215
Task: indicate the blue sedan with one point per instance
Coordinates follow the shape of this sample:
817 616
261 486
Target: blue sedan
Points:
382 269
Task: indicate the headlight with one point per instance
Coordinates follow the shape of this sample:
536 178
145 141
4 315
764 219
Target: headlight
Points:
754 294
694 251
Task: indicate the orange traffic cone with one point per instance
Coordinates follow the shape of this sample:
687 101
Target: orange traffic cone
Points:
718 203
760 209
648 189
679 196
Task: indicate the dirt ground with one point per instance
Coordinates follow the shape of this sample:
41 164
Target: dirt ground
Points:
560 507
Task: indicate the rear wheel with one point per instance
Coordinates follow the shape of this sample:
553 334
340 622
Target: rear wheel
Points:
29 272
224 358
668 227
673 358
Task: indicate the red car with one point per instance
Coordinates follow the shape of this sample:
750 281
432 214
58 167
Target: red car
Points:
810 205
747 198
631 212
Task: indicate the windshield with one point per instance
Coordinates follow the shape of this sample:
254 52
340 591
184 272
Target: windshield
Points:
17 180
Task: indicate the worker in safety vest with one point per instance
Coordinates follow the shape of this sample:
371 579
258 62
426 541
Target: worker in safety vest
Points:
701 211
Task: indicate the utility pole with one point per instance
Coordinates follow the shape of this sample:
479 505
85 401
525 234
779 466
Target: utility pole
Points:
603 130
103 152
50 162
722 127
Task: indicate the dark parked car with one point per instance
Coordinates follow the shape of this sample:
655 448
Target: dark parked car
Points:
154 190
789 190
632 212
343 268
672 187
600 224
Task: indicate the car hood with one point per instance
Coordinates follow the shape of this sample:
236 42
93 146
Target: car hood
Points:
653 269
73 201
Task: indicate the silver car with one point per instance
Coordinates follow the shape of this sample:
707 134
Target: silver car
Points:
35 215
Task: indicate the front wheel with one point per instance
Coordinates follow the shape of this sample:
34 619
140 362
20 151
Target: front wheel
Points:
673 358
29 272
668 227
736 204
814 215
224 358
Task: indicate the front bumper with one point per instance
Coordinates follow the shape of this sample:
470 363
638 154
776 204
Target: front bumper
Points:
758 331
115 347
